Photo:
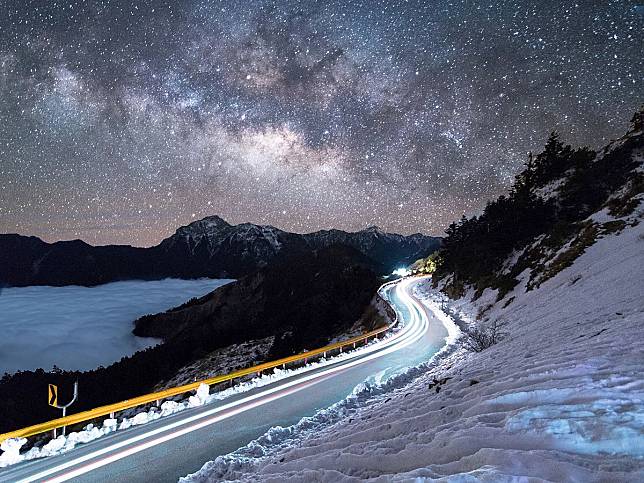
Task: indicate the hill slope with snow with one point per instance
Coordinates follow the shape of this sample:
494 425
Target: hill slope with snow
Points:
560 397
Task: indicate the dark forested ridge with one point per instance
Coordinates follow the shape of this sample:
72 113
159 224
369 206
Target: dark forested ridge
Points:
205 248
547 205
303 299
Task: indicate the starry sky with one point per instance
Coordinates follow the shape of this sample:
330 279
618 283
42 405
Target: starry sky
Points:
121 120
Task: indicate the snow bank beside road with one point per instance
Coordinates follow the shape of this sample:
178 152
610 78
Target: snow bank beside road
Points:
560 398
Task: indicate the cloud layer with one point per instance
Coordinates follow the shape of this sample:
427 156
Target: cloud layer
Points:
80 327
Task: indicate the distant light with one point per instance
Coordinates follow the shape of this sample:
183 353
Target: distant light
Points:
401 272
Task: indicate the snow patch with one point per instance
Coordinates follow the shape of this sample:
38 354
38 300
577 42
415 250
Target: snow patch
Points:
201 397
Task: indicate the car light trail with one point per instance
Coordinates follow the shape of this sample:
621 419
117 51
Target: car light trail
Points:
412 330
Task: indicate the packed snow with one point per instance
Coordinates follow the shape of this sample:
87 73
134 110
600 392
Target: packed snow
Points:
559 398
83 327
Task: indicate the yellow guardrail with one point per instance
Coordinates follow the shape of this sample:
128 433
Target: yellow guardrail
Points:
110 409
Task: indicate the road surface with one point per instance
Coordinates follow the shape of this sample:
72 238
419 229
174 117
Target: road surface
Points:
174 446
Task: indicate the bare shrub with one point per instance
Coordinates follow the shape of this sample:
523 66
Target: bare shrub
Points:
479 338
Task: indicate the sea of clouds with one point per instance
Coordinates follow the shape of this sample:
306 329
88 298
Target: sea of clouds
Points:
83 327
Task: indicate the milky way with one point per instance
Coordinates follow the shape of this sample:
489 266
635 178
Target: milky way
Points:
121 120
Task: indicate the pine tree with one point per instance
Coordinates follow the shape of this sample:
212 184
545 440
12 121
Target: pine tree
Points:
637 122
525 179
553 161
553 146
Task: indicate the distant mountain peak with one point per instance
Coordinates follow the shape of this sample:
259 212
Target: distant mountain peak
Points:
212 220
207 225
215 219
373 229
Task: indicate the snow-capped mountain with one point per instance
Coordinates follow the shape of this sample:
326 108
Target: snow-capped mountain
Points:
210 247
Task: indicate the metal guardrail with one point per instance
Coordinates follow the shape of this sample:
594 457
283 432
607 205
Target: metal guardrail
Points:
156 397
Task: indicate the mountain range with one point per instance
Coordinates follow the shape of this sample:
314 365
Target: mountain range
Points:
210 247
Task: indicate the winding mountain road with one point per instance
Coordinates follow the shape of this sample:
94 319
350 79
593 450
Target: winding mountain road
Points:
173 446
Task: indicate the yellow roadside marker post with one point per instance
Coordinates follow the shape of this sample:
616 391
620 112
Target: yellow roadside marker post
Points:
53 395
52 400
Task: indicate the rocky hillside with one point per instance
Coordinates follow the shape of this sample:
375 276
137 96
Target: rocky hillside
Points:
206 248
389 249
300 299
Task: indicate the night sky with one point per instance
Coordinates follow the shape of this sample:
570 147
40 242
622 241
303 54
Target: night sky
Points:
120 121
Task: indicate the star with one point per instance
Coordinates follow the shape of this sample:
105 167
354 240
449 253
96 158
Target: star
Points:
121 121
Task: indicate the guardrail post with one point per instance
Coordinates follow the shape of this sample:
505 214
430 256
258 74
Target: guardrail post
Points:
284 366
324 354
65 414
112 415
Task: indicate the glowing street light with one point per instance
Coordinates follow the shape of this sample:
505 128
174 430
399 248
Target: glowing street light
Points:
401 272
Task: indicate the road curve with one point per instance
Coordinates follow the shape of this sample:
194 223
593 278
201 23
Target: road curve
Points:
171 447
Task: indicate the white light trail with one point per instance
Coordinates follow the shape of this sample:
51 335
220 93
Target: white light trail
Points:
412 331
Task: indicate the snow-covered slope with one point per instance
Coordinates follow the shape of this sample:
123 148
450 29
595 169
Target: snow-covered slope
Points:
559 398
